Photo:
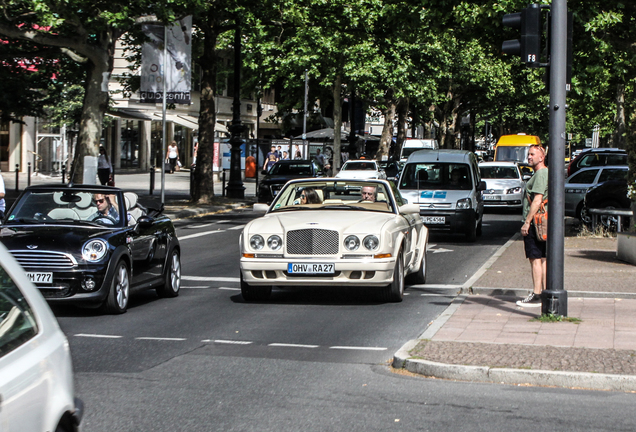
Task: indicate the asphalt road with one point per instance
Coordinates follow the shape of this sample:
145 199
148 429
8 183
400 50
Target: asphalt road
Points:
313 359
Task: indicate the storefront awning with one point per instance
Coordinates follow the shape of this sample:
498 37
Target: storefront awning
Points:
131 115
188 121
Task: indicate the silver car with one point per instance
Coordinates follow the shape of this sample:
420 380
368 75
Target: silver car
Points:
505 185
577 185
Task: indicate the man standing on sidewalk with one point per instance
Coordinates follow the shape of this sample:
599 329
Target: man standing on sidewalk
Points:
536 192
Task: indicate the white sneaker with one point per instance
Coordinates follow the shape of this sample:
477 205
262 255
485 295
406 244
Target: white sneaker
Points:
533 300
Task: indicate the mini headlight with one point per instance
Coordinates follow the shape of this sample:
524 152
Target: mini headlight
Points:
351 243
257 242
513 190
464 204
274 242
94 250
371 242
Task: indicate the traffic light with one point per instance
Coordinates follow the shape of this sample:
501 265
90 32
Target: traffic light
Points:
528 47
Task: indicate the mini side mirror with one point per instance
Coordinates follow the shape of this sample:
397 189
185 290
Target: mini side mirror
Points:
145 221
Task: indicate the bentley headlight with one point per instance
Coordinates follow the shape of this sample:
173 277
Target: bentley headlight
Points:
464 204
371 242
257 242
351 243
274 242
94 250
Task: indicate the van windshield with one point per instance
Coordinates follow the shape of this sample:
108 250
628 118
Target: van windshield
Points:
436 176
512 153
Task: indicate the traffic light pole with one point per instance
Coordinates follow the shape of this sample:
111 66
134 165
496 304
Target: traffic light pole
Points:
554 298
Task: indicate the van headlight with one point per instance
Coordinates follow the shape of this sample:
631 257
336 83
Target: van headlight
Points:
94 250
464 204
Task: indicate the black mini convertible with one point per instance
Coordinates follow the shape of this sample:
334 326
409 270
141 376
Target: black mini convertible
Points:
92 245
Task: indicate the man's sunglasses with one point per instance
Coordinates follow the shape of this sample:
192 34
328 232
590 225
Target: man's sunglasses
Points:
99 201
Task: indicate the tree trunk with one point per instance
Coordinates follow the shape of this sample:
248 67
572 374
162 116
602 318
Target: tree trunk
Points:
387 130
402 110
95 105
337 122
619 120
202 189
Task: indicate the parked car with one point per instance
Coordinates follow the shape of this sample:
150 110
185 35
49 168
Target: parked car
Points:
611 195
578 184
597 157
361 169
392 169
447 186
283 171
505 186
334 232
76 252
36 374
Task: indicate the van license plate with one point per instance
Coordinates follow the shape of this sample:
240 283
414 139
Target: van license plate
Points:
313 268
40 278
433 219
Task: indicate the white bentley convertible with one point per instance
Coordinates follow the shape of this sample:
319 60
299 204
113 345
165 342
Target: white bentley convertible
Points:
330 232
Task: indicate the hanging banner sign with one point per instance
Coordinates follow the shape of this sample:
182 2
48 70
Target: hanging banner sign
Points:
178 64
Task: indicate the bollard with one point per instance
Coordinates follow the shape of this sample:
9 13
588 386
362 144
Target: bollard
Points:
152 179
63 173
17 177
28 173
223 192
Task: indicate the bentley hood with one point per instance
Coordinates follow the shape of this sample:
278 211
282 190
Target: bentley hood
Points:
342 221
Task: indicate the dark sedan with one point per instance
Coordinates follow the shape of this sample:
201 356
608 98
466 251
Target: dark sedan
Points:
280 173
611 195
92 245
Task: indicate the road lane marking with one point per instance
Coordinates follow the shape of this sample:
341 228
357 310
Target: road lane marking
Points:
210 279
196 287
205 225
230 342
358 348
237 227
292 345
201 234
98 336
160 338
229 289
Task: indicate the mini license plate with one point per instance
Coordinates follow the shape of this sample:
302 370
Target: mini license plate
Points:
492 198
310 268
434 219
40 278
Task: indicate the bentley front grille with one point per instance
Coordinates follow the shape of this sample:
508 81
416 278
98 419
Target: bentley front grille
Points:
312 242
44 260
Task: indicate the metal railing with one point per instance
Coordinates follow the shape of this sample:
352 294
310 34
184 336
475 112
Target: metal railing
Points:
619 214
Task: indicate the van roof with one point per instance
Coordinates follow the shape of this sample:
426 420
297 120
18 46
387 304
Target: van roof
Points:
416 142
443 155
517 140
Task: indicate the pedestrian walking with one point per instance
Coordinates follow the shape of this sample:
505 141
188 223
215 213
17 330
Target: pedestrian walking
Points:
172 156
270 159
104 167
3 204
536 192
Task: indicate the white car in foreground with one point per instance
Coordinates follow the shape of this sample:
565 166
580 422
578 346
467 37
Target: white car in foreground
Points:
361 169
36 376
505 185
346 232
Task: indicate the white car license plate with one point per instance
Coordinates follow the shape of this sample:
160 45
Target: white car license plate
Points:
40 278
310 268
433 219
492 198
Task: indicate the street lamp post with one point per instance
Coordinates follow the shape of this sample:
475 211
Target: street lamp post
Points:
235 188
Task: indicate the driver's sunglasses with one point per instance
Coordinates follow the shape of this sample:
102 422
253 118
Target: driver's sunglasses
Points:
99 201
303 196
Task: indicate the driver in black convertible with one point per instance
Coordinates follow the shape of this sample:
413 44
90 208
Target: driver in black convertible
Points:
106 211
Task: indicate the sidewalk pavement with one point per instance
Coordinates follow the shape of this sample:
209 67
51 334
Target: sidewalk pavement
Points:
483 336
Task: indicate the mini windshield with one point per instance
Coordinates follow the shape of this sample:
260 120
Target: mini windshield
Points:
70 206
436 176
499 172
334 195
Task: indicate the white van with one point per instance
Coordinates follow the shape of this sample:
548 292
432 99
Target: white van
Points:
412 145
447 186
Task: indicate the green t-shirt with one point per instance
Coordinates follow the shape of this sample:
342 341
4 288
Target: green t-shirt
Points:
538 184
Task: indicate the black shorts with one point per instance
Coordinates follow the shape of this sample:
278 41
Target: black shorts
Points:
533 247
